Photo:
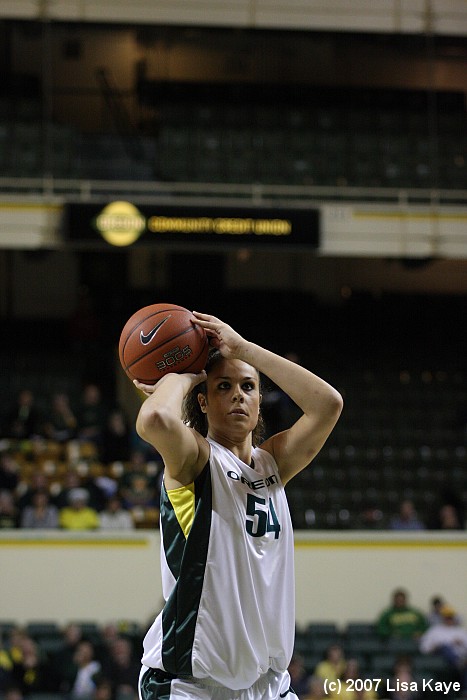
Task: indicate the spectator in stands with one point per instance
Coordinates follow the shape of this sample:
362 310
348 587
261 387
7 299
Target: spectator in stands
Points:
88 667
435 616
136 465
93 487
63 662
407 518
333 664
12 692
10 654
109 634
41 514
448 639
38 482
449 512
9 516
104 689
123 668
6 666
101 488
401 679
400 619
139 464
139 493
116 438
71 480
61 422
371 517
15 643
299 676
9 472
449 517
315 689
92 414
114 516
29 670
348 691
78 515
24 420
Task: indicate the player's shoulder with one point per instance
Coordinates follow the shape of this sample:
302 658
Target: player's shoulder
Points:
266 449
263 454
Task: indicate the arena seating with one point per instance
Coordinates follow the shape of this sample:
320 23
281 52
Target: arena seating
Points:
358 639
401 434
399 438
276 134
289 134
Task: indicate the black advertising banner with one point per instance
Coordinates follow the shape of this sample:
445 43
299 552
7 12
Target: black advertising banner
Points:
122 224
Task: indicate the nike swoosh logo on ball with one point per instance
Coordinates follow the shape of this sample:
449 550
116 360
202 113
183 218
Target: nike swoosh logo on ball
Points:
146 339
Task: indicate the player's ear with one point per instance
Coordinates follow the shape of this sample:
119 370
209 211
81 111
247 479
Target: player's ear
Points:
202 402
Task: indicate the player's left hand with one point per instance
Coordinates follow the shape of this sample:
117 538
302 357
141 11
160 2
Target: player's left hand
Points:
221 335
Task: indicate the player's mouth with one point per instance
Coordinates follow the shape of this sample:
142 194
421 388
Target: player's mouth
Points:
238 412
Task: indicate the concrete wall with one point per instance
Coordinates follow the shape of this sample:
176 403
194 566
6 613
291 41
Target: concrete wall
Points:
439 16
341 577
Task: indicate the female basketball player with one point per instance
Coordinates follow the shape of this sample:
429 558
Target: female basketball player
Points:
227 628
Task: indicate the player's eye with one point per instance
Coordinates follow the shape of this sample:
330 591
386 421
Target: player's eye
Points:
224 385
248 386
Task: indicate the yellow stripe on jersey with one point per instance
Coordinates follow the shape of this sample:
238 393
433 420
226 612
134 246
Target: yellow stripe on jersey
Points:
183 503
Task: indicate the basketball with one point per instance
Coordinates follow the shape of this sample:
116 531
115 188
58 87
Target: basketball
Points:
162 338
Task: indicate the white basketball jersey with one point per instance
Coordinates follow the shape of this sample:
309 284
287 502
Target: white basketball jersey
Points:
229 586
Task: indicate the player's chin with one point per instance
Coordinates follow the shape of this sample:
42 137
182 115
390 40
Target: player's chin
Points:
240 421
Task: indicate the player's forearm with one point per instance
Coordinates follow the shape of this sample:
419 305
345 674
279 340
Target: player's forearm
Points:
307 390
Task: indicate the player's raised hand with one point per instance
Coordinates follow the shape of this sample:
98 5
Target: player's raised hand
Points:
221 335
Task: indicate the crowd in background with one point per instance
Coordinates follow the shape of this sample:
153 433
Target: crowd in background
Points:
112 488
103 476
102 662
108 478
411 634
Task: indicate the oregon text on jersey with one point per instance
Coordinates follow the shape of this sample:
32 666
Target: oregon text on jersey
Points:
253 485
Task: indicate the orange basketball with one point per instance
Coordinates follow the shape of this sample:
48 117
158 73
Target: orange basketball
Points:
162 338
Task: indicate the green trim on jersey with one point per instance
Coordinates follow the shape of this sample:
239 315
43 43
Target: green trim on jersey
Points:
172 534
155 685
187 562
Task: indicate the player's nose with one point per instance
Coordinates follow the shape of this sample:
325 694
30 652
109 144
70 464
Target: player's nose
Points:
237 394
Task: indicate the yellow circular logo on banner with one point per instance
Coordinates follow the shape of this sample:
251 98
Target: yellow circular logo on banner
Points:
120 223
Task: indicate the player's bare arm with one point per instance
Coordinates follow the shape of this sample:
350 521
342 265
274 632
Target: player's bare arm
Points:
293 449
160 423
321 404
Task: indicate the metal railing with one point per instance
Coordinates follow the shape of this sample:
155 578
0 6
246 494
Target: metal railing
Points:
256 194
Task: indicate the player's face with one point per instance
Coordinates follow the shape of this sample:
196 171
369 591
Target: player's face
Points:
233 397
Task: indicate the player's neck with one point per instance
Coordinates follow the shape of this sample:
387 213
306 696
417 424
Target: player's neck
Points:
241 448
